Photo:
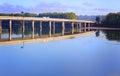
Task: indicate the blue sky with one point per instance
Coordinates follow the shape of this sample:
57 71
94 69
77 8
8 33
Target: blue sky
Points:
80 7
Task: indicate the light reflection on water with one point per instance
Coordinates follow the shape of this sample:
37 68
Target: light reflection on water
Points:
80 56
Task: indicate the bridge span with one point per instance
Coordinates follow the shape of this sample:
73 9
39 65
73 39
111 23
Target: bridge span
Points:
82 25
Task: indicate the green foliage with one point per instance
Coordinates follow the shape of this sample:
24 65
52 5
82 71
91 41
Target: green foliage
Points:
112 20
58 15
98 19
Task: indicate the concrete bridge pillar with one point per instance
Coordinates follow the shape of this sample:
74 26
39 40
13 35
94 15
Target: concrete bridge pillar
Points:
88 26
0 29
33 23
63 28
80 24
81 27
50 29
40 34
85 27
10 30
23 28
54 28
72 27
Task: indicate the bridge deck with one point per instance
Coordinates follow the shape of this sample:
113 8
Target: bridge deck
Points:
42 19
103 28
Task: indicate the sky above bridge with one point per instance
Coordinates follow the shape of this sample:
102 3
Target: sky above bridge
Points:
80 7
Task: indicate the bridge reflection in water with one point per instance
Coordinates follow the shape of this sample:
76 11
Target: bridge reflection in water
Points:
22 28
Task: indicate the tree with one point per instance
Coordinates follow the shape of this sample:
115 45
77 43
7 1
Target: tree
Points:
98 19
112 20
68 15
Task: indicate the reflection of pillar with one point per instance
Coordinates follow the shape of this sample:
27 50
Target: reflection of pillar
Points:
50 28
63 28
72 27
40 28
53 27
0 29
80 27
10 30
23 28
85 27
33 29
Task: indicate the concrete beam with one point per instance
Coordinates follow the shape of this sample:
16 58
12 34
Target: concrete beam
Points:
50 29
85 27
88 26
0 29
33 24
72 27
10 30
80 26
40 28
23 28
53 27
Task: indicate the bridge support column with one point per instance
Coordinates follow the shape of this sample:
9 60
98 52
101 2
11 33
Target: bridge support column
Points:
10 30
0 29
53 28
33 22
80 27
85 27
23 28
50 28
72 27
77 27
63 28
40 34
88 26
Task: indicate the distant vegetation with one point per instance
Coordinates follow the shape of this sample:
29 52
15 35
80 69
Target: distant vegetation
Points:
58 15
111 20
68 15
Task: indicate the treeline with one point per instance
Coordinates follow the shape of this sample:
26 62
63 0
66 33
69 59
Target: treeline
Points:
58 15
111 20
68 15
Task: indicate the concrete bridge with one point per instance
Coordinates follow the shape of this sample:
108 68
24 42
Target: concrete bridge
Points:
82 25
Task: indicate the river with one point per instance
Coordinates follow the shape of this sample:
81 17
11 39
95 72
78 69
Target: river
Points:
95 54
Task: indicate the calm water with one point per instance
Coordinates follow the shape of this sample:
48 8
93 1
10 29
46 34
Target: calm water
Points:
96 54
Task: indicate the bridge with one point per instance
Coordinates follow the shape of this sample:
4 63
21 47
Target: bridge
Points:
104 28
82 25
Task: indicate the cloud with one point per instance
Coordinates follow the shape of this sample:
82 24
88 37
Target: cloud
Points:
8 8
88 4
55 7
42 7
103 9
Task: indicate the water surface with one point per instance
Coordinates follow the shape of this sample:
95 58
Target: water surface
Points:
95 54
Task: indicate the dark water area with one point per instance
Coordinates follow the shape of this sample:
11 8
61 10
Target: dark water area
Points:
96 54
